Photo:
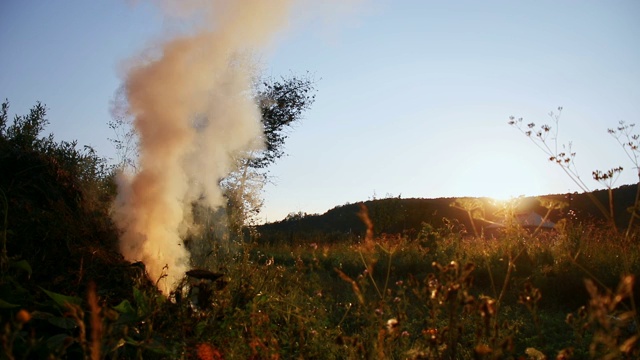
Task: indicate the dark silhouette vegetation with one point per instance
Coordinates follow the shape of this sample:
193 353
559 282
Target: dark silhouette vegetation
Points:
395 215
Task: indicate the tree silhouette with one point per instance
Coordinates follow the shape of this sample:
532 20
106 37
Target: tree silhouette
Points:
282 104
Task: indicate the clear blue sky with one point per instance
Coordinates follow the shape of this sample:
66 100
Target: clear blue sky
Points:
413 97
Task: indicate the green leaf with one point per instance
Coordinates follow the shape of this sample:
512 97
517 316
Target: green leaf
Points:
22 265
262 298
160 300
200 327
57 342
125 307
63 322
131 341
141 302
120 343
62 300
128 313
7 305
41 315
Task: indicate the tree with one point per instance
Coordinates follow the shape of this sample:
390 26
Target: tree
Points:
54 196
282 104
125 140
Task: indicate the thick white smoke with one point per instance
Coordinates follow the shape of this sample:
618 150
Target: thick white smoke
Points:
193 111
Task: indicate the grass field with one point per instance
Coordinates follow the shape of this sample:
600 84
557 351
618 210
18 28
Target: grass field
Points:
567 294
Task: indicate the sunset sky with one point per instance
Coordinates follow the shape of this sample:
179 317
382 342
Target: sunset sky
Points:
413 97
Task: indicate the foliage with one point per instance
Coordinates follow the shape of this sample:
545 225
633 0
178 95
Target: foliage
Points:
54 202
282 104
125 140
388 297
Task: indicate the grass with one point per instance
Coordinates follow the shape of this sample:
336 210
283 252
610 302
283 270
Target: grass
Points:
385 298
65 292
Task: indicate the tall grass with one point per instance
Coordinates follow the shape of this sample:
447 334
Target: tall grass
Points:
567 294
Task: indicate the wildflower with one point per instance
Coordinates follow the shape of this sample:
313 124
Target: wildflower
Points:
430 333
392 324
482 350
534 353
23 316
434 293
208 352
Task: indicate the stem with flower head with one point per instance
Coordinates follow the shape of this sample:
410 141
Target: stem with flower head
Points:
565 159
631 145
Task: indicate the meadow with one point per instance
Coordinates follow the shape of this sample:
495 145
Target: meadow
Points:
441 292
440 295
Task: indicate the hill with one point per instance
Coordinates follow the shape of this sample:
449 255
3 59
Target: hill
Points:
409 216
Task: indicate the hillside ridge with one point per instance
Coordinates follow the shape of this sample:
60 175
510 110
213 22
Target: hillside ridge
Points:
396 215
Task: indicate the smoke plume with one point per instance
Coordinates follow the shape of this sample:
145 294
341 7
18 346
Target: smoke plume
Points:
193 111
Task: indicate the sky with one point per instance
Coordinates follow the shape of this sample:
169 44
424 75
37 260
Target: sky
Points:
412 97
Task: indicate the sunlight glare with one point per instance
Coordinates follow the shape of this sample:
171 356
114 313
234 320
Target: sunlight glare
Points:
501 178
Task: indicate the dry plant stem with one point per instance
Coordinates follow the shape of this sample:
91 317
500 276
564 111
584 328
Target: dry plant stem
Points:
453 329
370 274
386 280
468 206
586 190
631 142
544 219
345 315
493 284
96 322
634 212
554 154
611 212
636 207
550 205
4 257
510 268
634 310
473 224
